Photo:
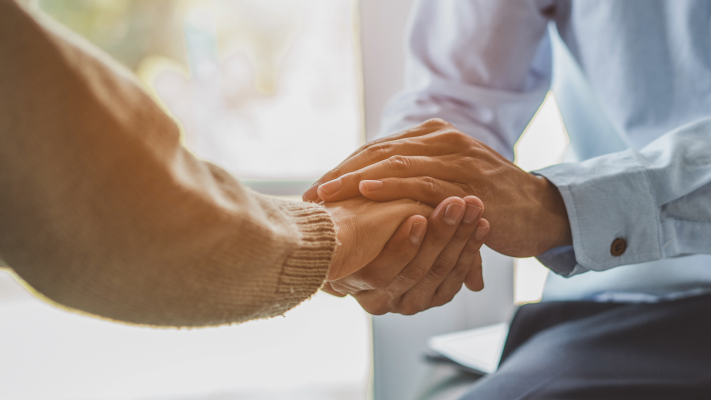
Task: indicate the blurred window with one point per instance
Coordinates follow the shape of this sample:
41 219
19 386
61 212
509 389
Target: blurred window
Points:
269 90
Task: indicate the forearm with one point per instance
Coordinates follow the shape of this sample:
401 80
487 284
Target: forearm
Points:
104 211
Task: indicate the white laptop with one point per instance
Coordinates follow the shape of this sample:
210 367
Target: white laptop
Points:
478 350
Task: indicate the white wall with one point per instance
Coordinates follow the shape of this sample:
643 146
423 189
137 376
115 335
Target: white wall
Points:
383 24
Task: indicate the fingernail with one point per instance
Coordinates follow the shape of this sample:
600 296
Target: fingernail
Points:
453 214
472 213
331 187
417 232
372 186
311 192
481 232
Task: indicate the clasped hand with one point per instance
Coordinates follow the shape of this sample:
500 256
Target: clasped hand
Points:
437 165
433 161
393 259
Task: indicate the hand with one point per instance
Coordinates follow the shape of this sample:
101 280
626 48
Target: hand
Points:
411 274
433 161
362 229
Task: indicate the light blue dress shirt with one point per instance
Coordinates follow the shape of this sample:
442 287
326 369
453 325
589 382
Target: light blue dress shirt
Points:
633 82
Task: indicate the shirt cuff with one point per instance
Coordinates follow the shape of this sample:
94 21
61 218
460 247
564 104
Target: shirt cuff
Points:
560 260
607 198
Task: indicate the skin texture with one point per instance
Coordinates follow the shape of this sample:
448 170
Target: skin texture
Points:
412 274
362 229
433 161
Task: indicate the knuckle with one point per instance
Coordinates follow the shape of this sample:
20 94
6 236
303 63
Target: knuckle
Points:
376 152
413 275
438 300
332 174
430 184
409 309
375 308
398 163
403 280
441 268
441 299
456 137
352 178
436 123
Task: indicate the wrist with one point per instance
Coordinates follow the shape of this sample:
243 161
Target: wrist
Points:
343 230
336 265
553 216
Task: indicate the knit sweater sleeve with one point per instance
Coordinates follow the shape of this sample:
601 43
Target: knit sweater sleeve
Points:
104 211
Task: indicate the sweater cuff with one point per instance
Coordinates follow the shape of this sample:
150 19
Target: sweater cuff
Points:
306 268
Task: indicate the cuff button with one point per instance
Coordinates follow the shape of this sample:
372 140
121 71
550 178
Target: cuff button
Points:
618 247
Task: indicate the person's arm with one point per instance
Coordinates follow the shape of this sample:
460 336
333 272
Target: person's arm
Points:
657 200
103 210
483 66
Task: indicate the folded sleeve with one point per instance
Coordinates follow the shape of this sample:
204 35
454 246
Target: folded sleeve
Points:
637 206
103 210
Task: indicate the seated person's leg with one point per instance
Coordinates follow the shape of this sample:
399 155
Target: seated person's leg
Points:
649 351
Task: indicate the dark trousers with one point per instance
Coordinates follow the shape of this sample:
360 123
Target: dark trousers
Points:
586 350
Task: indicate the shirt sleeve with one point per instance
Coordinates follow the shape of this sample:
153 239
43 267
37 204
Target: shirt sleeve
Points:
637 206
103 210
484 66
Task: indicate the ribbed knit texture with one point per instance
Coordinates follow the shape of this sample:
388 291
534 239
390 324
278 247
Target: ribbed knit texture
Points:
104 211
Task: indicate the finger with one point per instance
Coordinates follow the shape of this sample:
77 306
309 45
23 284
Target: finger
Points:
376 152
467 268
455 253
475 279
440 167
379 302
376 302
451 285
424 189
442 225
350 164
328 289
397 253
310 195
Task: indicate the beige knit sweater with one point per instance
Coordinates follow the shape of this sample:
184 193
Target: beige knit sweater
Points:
103 210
